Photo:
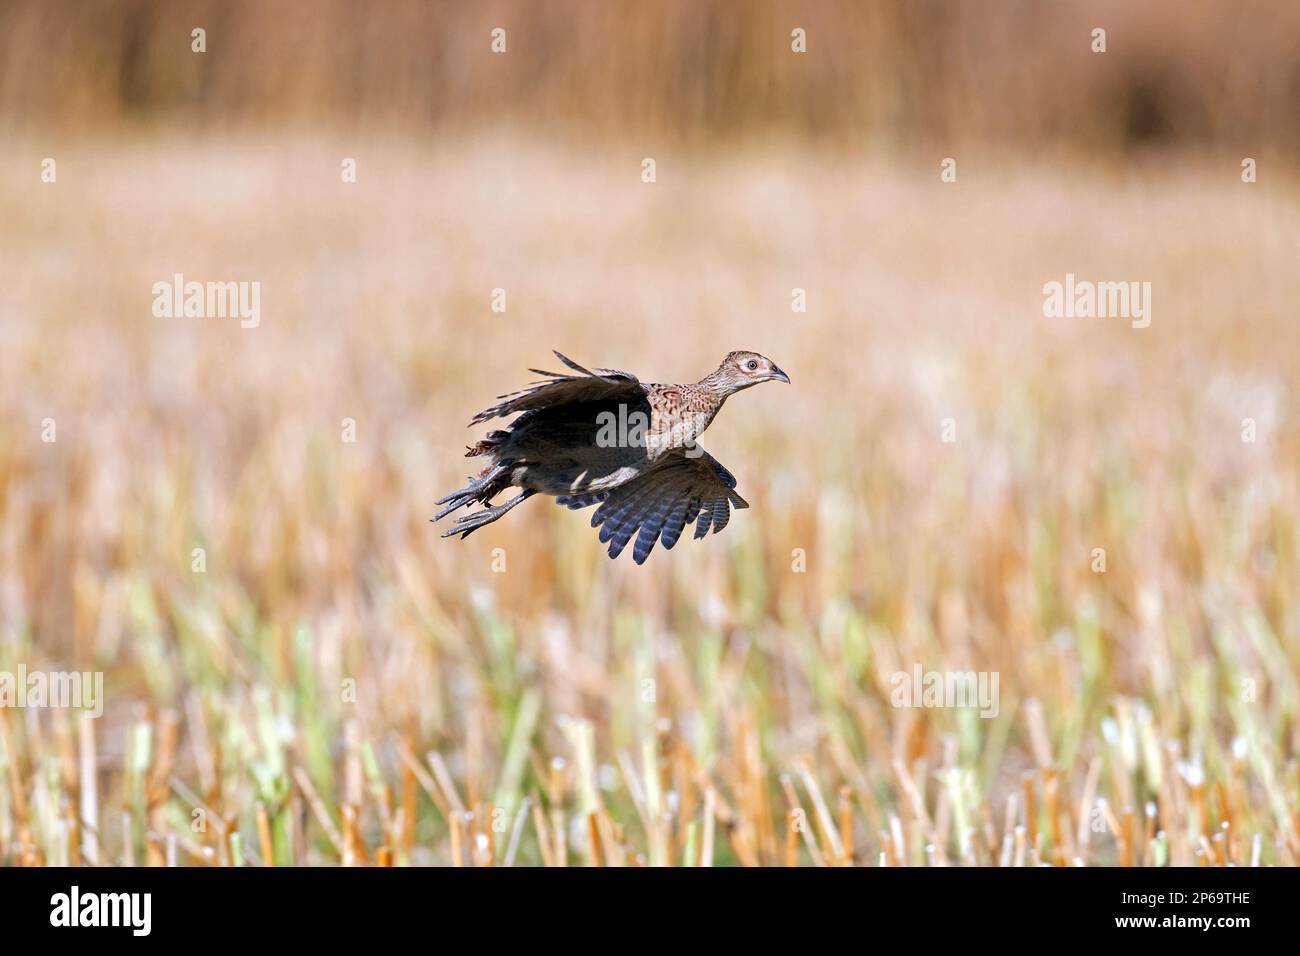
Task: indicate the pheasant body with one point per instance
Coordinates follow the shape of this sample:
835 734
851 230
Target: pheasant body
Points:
602 437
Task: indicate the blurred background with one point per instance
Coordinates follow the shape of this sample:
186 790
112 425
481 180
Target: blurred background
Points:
329 681
876 75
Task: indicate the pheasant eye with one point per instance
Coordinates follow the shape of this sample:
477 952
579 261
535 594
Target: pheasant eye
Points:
751 365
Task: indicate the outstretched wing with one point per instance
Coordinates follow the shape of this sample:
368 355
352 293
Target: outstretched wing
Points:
657 505
603 384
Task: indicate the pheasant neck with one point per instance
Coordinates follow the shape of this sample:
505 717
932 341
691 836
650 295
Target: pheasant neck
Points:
719 384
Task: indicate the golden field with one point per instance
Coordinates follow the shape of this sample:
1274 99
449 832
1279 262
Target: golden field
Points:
1166 684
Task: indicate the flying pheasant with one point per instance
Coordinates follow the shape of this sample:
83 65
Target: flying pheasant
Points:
603 438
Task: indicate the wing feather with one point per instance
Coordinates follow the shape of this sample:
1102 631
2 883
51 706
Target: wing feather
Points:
604 384
673 525
656 506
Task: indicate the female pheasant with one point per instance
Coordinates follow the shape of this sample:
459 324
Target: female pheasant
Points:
603 438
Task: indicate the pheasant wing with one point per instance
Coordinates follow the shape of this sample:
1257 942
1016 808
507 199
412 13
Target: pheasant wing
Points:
603 384
680 488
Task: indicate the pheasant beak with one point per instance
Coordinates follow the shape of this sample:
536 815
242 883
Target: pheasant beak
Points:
779 375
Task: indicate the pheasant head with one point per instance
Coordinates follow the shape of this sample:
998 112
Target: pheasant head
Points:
740 370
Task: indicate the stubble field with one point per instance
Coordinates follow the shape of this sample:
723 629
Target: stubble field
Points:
329 681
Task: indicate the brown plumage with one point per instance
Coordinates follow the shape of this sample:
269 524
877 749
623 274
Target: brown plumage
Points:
601 437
